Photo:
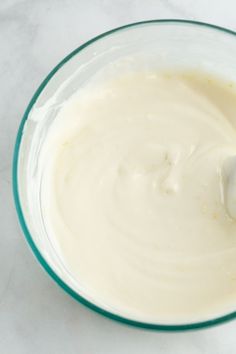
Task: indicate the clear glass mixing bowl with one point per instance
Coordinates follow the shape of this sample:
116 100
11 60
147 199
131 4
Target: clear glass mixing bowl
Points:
166 43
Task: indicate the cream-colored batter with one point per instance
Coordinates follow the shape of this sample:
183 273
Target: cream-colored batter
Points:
136 195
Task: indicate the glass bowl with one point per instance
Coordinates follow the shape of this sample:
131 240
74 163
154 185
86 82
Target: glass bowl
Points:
163 43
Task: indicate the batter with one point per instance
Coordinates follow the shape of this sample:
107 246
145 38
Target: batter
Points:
136 194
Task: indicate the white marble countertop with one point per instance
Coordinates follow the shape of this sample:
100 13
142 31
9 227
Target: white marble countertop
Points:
36 316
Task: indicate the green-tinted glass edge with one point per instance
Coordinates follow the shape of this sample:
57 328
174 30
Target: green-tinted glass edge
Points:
49 270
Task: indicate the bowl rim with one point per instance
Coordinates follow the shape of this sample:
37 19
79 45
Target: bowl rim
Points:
19 209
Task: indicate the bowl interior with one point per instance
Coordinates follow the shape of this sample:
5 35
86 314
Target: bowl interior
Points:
153 44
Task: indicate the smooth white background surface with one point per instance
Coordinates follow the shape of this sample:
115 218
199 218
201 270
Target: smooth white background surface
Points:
36 316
